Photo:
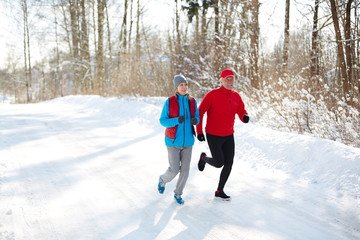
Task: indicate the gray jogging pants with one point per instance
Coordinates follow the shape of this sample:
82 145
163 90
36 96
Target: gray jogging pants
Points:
179 161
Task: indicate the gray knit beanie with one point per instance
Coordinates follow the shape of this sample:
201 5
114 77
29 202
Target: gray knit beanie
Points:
179 79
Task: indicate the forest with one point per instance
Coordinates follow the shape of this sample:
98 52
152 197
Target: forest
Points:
308 82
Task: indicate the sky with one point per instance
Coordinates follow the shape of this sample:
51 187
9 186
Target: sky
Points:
159 13
87 167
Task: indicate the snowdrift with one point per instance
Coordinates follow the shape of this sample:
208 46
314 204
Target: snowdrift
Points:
86 167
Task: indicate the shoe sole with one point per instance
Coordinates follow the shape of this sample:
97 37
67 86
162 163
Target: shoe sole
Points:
178 202
200 166
223 199
161 191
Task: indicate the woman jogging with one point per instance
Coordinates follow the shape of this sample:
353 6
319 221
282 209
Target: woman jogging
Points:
178 115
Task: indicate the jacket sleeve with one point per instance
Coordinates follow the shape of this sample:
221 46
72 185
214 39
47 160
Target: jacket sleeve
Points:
165 120
203 107
241 110
197 116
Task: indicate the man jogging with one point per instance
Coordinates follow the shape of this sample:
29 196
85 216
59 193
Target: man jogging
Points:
221 106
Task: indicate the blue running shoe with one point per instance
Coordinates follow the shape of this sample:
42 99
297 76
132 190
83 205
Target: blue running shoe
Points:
161 186
178 199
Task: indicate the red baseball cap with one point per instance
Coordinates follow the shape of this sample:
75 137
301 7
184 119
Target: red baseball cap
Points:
226 73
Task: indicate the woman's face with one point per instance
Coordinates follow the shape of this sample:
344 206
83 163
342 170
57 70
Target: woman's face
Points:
182 89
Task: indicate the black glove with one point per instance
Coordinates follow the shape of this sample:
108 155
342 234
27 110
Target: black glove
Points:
201 137
246 118
181 119
193 121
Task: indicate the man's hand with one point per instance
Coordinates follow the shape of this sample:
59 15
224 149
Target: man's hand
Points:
201 137
246 118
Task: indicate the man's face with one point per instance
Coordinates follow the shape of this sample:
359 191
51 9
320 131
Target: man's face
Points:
182 88
228 82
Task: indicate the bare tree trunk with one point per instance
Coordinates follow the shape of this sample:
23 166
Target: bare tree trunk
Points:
84 49
74 28
137 41
66 26
341 58
123 32
137 46
177 39
110 67
286 37
225 12
217 41
94 25
100 49
131 25
357 48
177 27
68 40
74 18
121 61
203 30
314 68
27 58
197 27
217 22
25 55
348 43
57 79
255 44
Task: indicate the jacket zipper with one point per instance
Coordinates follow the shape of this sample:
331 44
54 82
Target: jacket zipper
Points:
185 115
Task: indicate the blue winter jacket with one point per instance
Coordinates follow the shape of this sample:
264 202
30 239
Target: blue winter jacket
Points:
184 136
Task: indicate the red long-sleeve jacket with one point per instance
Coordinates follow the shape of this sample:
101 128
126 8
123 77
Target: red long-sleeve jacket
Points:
221 105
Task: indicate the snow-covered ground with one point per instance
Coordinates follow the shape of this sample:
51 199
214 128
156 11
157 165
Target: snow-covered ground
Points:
86 167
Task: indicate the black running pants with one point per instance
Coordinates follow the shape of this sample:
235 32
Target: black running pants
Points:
222 150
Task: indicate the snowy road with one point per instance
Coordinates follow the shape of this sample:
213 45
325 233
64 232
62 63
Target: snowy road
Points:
86 167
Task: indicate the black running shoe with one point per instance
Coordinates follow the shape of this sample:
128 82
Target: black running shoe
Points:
222 195
201 164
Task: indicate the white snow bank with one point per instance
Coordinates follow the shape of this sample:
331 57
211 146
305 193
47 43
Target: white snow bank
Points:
86 167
